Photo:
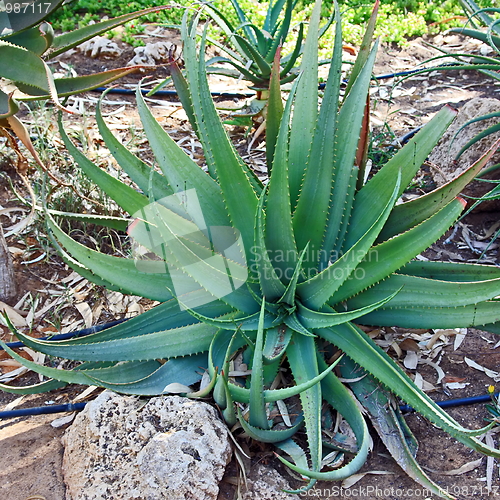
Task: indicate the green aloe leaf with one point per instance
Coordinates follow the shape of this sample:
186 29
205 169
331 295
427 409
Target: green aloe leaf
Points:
277 340
123 273
344 402
268 435
318 289
306 108
242 395
172 343
29 68
409 214
274 110
257 416
451 271
223 162
127 198
271 286
390 424
280 240
66 41
361 349
70 86
180 171
46 386
118 223
155 380
314 319
370 200
424 292
384 259
316 187
439 317
37 39
488 131
350 118
141 173
303 363
253 55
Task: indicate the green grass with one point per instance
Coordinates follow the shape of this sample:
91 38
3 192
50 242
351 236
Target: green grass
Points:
398 20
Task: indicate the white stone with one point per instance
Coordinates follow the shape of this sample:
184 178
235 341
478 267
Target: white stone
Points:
124 448
265 483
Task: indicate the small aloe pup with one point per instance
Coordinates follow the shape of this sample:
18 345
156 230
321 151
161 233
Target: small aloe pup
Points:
288 270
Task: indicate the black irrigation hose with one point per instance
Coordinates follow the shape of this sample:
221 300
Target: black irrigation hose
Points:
70 335
231 95
452 403
170 93
44 410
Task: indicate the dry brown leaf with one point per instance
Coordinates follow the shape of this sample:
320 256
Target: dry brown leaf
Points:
59 422
351 480
409 345
86 312
15 317
461 470
449 379
491 373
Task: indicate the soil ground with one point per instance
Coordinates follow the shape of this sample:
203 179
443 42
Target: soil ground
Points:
31 449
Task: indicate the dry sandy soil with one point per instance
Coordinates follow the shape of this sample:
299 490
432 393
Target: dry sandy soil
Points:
31 449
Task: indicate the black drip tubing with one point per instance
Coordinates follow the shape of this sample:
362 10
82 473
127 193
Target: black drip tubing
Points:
452 403
42 410
70 335
232 95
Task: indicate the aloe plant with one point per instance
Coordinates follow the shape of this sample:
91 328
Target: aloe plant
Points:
29 41
251 49
286 270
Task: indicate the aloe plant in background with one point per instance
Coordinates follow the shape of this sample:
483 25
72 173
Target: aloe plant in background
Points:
252 50
29 41
286 270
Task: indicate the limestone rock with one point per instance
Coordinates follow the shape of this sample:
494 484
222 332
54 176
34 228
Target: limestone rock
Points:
100 46
153 53
443 156
266 483
124 448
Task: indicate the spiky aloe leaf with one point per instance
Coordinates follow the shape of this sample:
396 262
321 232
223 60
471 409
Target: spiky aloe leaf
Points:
223 161
318 289
360 348
369 201
315 192
350 118
123 273
342 400
412 213
303 363
274 110
305 110
66 41
390 425
384 259
36 39
126 197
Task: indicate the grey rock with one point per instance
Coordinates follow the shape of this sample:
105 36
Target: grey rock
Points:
124 448
266 483
443 156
